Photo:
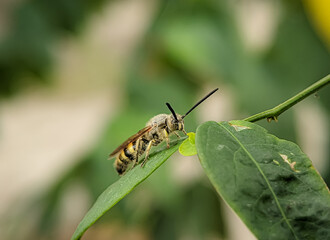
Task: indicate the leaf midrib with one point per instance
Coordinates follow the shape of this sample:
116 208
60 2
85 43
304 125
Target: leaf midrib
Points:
265 178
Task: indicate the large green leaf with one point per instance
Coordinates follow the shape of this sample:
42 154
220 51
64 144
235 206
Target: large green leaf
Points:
270 183
115 192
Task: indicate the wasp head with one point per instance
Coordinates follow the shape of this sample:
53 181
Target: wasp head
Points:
175 123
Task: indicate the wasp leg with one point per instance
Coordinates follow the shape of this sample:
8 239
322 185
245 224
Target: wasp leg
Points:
137 152
177 134
167 139
184 132
147 153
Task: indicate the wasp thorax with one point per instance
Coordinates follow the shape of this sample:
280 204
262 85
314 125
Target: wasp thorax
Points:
175 124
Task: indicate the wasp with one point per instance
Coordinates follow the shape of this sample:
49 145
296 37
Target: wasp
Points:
157 129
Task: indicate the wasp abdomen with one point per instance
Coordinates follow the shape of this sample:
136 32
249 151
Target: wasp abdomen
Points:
128 154
125 157
120 167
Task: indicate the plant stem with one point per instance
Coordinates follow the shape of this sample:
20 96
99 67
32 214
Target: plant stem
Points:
272 114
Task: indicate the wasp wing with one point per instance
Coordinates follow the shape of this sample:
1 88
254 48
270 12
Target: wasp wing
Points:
129 140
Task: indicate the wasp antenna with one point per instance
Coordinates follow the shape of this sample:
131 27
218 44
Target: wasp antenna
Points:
172 111
202 100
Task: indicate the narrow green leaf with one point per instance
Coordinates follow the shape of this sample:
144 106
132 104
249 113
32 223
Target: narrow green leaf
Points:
270 183
115 192
188 148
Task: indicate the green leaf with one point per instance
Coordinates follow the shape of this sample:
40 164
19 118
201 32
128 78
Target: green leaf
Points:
270 183
115 192
188 148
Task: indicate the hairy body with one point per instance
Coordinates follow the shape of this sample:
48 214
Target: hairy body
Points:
157 130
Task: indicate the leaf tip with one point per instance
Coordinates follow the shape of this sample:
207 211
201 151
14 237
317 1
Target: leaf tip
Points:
188 147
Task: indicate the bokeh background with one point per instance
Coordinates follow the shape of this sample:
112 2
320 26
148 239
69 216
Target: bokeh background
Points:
77 78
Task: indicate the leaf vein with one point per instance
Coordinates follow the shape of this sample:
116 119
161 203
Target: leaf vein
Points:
264 177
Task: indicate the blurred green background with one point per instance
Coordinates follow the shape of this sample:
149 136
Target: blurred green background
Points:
77 78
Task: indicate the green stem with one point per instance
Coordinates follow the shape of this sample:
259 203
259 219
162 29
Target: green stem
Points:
273 113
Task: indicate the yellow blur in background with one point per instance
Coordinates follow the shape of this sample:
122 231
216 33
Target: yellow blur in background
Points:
318 11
